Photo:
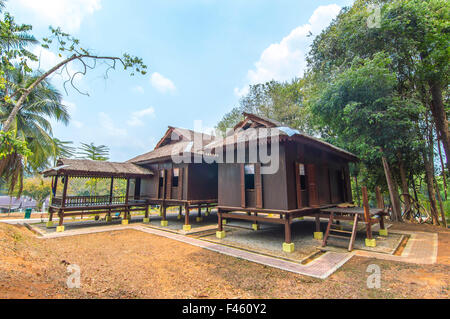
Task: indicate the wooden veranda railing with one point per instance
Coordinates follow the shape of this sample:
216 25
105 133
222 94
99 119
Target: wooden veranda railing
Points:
82 201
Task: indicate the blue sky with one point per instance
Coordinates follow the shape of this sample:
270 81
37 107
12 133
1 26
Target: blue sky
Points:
201 54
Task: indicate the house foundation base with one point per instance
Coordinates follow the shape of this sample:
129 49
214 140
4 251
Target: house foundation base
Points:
288 247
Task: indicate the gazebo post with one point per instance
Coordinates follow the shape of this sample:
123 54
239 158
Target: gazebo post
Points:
60 228
207 210
199 214
186 226
108 215
50 210
126 216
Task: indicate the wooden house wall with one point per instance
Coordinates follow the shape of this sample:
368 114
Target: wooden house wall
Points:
274 188
199 181
279 189
327 166
202 181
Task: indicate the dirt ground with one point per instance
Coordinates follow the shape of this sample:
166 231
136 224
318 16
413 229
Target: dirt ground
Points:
132 264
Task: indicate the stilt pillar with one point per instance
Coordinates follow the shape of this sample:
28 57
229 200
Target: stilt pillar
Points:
164 221
220 233
199 214
288 245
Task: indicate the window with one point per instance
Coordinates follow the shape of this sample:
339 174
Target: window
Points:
176 173
161 178
249 170
302 173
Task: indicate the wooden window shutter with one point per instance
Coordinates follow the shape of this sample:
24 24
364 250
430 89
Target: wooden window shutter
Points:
180 183
169 183
297 185
242 185
312 186
258 186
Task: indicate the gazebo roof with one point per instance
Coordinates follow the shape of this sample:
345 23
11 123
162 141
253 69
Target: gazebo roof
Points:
90 168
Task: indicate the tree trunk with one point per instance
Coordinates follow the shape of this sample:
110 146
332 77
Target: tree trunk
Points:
444 177
430 188
441 206
393 192
404 186
440 117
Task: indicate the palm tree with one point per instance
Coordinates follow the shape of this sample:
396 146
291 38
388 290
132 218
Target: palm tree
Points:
32 125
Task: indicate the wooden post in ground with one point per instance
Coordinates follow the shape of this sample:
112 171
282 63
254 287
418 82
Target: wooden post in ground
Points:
199 214
180 212
108 215
164 221
186 226
126 213
220 233
60 228
380 204
288 245
318 234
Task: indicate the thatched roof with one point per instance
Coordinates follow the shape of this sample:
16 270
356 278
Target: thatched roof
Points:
89 168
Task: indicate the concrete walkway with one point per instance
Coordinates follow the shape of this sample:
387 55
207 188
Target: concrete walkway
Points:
421 248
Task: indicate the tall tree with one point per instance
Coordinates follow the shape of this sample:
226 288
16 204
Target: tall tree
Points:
93 152
279 101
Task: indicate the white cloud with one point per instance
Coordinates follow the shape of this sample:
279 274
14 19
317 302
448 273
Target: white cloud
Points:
109 127
67 14
161 83
287 59
136 117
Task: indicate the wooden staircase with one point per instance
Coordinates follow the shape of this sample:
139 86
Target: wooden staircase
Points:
334 232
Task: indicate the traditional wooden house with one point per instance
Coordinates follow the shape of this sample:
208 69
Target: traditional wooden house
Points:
189 184
311 175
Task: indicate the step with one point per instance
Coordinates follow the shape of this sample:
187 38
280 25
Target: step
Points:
341 231
338 236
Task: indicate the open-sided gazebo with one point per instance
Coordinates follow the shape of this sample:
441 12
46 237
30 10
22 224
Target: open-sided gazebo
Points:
65 205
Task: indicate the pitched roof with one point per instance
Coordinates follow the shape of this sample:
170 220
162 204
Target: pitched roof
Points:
253 120
90 168
185 143
177 134
285 133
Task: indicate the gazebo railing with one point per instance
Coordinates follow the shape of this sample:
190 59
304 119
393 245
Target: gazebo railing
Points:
83 201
